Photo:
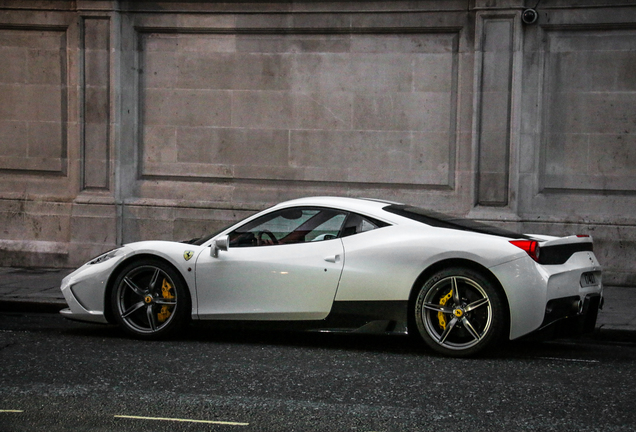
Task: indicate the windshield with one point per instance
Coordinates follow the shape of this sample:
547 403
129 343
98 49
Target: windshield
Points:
200 241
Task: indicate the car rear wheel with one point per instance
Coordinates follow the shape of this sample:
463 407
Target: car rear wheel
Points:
458 312
150 300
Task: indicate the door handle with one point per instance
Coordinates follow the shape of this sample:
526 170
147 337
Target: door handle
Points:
333 259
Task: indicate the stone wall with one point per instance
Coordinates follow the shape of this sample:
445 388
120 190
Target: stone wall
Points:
122 121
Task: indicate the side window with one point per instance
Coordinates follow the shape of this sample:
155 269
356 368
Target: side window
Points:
288 226
327 230
356 224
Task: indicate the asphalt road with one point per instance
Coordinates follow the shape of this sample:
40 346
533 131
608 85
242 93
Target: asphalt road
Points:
59 375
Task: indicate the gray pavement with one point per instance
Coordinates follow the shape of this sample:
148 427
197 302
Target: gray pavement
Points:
38 290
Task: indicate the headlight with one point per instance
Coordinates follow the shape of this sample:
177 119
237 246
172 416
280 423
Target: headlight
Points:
104 257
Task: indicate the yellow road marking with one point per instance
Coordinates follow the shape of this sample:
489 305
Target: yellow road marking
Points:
183 420
11 411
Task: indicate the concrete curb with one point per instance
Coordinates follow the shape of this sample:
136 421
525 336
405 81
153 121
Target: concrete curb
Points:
31 306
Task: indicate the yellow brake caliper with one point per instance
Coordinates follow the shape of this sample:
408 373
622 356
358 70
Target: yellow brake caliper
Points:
164 314
440 315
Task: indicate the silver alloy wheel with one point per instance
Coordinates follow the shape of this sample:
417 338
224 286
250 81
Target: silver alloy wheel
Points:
457 313
146 299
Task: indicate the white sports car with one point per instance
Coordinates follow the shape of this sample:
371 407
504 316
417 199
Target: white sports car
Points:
343 263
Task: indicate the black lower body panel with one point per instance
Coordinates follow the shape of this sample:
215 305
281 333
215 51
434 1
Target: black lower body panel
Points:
367 316
569 316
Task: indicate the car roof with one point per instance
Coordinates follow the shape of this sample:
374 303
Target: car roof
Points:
395 213
364 205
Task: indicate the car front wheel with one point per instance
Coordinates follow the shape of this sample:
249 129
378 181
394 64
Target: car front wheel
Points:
150 300
458 312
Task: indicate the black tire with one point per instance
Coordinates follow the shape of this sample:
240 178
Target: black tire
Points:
458 312
149 300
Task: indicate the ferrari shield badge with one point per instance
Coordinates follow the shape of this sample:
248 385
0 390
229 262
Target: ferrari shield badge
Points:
187 255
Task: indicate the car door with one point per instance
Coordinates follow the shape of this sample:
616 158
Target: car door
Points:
284 265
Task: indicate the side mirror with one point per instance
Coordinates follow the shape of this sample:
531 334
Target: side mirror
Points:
220 244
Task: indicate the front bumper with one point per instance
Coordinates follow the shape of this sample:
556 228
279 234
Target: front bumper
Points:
84 296
84 290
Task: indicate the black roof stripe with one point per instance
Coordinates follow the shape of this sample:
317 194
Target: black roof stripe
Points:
441 220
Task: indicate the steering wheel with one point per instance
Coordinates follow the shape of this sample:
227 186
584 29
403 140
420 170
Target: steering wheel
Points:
268 233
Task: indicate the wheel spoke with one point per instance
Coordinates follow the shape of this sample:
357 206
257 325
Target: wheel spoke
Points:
471 329
153 281
133 286
169 302
151 318
134 308
474 305
447 330
456 298
438 308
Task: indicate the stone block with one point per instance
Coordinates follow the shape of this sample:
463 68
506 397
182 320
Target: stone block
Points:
34 253
45 140
403 111
150 229
208 43
261 72
493 189
332 111
13 139
497 34
591 112
382 72
159 144
159 69
44 102
96 105
322 73
495 111
613 155
432 151
293 43
493 154
99 230
193 108
527 154
598 71
96 162
262 109
249 147
496 70
97 68
200 70
39 227
567 154
96 34
371 156
422 43
14 65
591 39
45 67
13 102
434 72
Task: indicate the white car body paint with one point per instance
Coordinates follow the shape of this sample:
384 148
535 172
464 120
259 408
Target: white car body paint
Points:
289 282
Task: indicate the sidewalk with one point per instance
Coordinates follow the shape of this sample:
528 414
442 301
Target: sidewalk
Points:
31 289
38 290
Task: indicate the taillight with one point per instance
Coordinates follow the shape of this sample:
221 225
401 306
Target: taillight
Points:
530 246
